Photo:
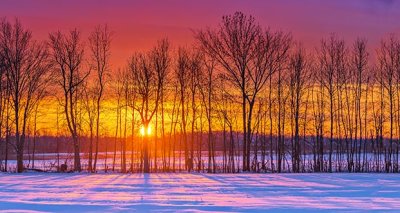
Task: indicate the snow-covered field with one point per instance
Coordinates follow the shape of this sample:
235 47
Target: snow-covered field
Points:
198 192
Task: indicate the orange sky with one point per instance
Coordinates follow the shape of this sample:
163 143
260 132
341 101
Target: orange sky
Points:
138 24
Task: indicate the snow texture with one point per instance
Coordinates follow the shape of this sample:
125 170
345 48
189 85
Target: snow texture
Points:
185 192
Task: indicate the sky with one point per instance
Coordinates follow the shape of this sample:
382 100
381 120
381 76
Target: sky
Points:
137 25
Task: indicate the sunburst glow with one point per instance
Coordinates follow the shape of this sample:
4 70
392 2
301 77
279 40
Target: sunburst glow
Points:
144 131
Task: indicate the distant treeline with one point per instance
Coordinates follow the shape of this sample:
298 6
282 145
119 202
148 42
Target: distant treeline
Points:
251 98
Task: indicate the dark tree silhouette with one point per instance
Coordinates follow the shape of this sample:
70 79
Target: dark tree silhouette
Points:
67 56
100 44
26 67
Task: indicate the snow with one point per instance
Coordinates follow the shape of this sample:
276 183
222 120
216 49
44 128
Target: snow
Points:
192 192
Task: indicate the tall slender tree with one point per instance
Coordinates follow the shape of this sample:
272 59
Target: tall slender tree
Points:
26 66
299 76
100 44
67 56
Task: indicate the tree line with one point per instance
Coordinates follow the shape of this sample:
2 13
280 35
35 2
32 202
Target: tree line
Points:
241 98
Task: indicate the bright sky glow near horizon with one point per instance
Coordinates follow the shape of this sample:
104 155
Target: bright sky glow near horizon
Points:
137 25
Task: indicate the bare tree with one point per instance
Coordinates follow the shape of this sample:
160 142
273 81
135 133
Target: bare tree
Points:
299 76
195 68
3 102
207 87
26 69
160 59
182 74
148 89
250 57
89 103
389 63
67 55
118 84
272 55
233 45
332 60
126 92
359 77
100 43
